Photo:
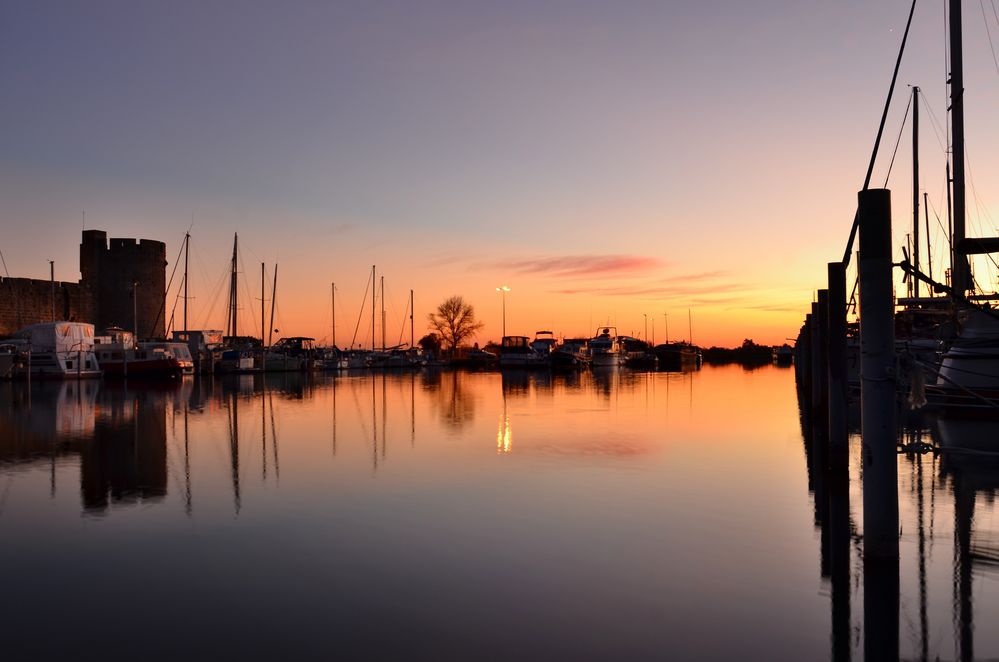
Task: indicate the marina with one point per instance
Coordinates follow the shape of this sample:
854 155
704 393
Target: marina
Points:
329 330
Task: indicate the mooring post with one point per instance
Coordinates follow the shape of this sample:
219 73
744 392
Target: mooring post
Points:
839 463
822 349
877 427
836 359
815 369
877 376
803 360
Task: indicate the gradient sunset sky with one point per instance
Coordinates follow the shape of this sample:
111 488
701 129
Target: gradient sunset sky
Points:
604 160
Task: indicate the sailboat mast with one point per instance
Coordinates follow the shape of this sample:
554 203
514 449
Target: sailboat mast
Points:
411 319
915 188
233 290
270 333
333 305
382 296
263 295
950 219
373 308
187 253
929 252
690 327
960 269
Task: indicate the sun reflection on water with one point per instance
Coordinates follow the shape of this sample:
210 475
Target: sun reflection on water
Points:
504 435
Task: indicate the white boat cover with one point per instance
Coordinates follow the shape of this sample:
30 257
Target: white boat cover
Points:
59 336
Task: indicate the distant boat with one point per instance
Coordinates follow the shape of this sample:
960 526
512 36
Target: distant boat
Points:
204 347
605 348
544 342
784 355
292 355
395 358
516 352
239 361
676 356
180 351
571 354
638 354
61 350
481 358
121 356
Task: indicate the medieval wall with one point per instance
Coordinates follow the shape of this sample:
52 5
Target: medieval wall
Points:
109 274
25 301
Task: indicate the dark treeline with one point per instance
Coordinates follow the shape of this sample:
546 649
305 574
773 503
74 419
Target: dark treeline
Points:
748 354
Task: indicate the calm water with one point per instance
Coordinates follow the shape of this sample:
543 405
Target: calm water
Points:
469 516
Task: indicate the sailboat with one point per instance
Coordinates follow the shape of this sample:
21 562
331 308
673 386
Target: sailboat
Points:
237 357
960 358
204 345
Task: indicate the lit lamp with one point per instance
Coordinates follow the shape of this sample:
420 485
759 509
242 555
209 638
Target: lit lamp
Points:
503 289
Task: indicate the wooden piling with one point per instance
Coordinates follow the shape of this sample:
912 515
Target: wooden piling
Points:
822 349
815 368
836 360
877 379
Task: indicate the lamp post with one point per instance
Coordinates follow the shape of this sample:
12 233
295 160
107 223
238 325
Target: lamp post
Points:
52 281
135 309
503 289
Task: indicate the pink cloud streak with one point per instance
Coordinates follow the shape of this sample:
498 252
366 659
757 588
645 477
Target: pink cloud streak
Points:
582 266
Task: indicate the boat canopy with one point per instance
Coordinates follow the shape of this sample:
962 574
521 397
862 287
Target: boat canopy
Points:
59 336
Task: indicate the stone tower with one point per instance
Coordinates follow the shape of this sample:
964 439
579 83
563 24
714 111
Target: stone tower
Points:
110 274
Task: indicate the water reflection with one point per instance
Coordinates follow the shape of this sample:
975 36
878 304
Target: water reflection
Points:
452 400
593 514
117 433
951 464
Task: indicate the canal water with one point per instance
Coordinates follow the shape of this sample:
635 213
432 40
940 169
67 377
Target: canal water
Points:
473 516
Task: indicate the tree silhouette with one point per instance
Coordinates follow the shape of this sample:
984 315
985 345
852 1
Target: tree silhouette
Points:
431 344
454 321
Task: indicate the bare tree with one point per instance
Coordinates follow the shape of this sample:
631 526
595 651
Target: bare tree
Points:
454 321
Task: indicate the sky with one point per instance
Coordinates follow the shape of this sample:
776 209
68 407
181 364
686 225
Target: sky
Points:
612 163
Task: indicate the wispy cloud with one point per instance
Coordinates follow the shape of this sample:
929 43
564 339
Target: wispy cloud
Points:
679 286
584 266
779 308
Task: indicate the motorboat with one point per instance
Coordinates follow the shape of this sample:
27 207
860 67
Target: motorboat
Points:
204 347
544 342
516 352
571 354
638 354
178 350
678 356
62 350
121 356
605 348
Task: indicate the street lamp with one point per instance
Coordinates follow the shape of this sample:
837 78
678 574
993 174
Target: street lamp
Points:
135 309
503 289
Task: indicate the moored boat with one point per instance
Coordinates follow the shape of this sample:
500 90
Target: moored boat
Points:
571 354
638 354
121 356
544 342
516 352
60 350
204 347
605 348
678 356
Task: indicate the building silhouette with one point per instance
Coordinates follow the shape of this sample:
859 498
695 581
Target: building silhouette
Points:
109 274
